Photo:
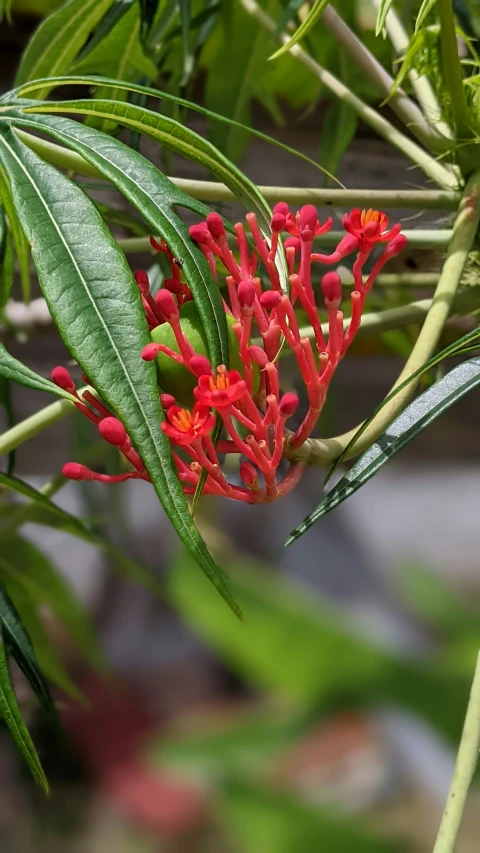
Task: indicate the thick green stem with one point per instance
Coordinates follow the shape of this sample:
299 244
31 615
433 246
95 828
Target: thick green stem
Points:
36 423
466 763
465 228
401 104
442 175
416 239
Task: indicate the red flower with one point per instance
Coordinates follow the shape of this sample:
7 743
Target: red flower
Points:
185 427
305 223
220 391
369 227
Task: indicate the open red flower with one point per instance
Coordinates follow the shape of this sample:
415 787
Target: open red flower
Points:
369 227
185 427
221 390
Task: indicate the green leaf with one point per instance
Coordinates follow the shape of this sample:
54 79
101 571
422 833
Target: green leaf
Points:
424 10
69 522
338 129
413 420
317 9
185 20
58 39
21 245
6 402
105 27
289 14
383 11
19 644
45 651
45 586
93 298
11 368
10 712
6 262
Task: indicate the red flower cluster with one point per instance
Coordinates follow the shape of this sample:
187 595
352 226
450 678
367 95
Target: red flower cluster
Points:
253 410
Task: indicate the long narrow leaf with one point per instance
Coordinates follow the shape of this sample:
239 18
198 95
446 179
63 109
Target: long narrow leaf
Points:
413 420
424 10
383 11
21 245
107 24
92 296
13 369
27 491
317 9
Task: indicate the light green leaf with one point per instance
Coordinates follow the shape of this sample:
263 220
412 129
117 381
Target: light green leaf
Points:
7 262
58 40
117 10
69 522
424 10
383 11
92 296
12 369
317 9
21 245
10 712
413 420
30 568
338 129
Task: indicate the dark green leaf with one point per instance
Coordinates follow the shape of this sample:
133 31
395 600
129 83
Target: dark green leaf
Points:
413 420
185 20
317 9
58 39
289 14
6 403
92 296
11 368
148 9
338 129
107 24
10 712
21 245
7 262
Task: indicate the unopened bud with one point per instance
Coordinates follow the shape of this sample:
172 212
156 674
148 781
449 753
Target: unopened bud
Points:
258 355
332 290
200 233
165 301
307 221
173 285
113 431
141 278
396 245
75 471
150 352
200 365
62 378
246 296
248 473
282 208
270 299
288 404
215 225
167 401
277 223
292 243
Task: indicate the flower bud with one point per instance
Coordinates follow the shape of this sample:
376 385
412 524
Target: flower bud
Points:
332 290
141 278
169 308
270 299
292 243
347 245
215 225
62 378
200 365
173 285
75 471
150 352
248 473
258 355
288 404
282 208
395 246
200 233
307 221
246 296
277 223
113 431
167 401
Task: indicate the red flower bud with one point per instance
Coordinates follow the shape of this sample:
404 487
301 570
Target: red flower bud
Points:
200 365
248 473
75 471
141 278
165 301
113 431
173 285
150 352
167 401
246 296
282 208
258 355
292 242
288 404
277 222
215 225
270 299
307 221
200 233
62 378
332 289
347 245
395 246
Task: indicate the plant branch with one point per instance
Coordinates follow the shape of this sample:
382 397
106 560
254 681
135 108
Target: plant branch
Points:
442 175
406 109
420 83
322 451
464 769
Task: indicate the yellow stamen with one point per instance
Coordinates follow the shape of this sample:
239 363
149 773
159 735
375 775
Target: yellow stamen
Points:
221 383
371 215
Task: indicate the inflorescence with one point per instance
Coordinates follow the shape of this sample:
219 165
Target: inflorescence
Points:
249 402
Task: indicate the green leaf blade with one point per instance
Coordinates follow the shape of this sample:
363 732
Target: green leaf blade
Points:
314 14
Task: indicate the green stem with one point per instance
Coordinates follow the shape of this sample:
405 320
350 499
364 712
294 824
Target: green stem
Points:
401 104
442 175
463 774
464 231
452 70
420 83
213 191
416 239
36 423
